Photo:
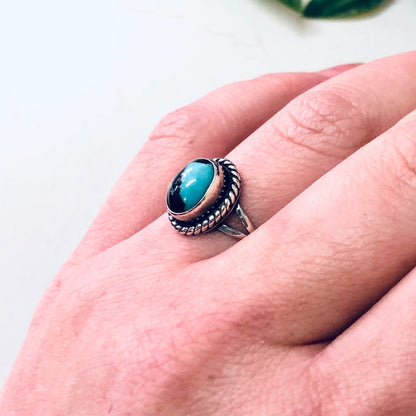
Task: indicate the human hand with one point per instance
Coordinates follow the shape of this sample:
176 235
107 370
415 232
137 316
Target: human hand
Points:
312 314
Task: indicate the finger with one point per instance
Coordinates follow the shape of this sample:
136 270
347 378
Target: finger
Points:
336 249
209 127
309 137
319 129
371 368
336 70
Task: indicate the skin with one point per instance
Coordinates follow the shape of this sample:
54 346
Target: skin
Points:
311 315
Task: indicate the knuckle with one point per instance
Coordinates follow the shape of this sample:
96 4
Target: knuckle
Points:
179 125
402 157
325 122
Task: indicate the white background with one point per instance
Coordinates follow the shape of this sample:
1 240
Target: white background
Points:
83 82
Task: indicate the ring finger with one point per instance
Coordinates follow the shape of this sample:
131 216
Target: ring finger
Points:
209 127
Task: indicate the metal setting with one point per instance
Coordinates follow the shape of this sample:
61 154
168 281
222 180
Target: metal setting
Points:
219 201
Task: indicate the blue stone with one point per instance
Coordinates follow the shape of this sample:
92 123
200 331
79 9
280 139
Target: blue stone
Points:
190 185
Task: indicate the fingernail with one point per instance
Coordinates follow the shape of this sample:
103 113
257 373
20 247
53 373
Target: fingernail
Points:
336 70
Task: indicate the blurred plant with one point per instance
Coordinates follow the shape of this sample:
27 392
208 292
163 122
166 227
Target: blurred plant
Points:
334 8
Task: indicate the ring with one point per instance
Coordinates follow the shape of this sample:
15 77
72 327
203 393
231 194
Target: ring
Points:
203 194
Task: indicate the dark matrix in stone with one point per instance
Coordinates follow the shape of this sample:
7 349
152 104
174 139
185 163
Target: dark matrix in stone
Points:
190 185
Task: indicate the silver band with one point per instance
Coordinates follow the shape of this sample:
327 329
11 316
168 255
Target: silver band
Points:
226 229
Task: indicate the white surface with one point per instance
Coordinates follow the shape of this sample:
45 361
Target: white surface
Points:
82 83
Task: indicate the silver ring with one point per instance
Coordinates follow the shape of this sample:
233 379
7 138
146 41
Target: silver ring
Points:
203 194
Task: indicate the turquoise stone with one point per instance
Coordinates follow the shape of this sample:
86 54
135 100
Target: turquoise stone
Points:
190 185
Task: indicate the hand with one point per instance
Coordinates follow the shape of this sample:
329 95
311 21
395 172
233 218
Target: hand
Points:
312 314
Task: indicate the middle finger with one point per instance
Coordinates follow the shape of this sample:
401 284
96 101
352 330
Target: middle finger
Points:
319 129
327 257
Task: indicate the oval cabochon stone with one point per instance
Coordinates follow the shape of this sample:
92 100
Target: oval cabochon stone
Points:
190 185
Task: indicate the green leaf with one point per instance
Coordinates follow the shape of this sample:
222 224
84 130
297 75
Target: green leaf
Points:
295 5
340 8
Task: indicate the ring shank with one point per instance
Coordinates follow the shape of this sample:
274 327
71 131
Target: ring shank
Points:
232 232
